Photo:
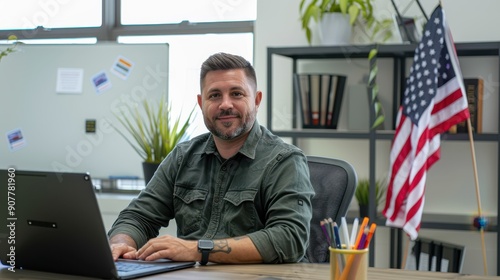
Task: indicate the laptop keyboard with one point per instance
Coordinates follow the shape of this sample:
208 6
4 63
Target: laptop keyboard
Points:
131 266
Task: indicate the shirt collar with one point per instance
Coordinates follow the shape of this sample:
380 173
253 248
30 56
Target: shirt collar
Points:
249 146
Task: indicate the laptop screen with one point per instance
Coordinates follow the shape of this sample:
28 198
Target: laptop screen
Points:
54 225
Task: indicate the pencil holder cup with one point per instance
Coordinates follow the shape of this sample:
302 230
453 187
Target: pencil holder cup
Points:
348 264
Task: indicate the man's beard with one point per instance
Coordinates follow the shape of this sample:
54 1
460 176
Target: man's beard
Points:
243 128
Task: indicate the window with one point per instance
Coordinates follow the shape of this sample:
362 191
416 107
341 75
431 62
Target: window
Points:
29 14
192 33
161 11
186 54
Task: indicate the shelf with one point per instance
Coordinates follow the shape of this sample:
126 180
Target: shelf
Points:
438 221
384 51
379 134
401 54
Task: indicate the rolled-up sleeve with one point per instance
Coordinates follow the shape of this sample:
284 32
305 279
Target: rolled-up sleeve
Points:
288 193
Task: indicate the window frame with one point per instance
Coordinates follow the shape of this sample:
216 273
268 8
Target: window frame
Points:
111 28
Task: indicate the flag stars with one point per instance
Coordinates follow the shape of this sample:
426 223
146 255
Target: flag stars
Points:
401 210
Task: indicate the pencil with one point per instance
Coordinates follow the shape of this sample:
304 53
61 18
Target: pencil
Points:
373 226
323 227
361 230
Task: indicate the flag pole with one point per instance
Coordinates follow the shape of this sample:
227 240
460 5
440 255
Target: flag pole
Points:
478 195
405 256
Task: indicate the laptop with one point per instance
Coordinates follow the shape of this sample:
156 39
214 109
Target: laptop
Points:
54 225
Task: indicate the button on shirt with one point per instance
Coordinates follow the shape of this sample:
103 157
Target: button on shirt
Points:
263 192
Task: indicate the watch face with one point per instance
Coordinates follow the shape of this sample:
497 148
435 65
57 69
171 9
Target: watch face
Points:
206 244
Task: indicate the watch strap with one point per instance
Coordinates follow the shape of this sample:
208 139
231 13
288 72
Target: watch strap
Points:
204 257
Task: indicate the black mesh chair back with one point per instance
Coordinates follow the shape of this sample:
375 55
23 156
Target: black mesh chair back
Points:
334 182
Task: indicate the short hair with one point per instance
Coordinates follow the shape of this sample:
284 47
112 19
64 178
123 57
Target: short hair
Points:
225 61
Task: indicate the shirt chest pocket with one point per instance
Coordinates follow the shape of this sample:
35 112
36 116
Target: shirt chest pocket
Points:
241 215
189 205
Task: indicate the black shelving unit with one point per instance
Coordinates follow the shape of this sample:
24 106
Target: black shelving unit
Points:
399 53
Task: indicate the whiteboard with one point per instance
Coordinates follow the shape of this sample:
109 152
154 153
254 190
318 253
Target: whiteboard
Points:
49 91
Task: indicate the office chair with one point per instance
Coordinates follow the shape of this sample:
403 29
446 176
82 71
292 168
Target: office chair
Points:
334 182
435 255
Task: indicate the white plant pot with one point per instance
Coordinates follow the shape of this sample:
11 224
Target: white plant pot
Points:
334 29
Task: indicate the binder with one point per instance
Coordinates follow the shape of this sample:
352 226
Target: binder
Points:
320 98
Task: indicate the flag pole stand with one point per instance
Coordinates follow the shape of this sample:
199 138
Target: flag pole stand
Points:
478 196
405 254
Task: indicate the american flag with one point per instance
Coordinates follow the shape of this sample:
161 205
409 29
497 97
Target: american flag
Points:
433 101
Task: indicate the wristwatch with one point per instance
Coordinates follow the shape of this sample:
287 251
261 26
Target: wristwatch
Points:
205 246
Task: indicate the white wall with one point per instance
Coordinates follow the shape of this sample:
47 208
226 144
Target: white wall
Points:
278 25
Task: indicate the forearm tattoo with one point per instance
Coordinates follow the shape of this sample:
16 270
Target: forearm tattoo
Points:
221 246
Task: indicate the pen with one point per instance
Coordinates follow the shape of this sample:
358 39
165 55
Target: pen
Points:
345 232
338 243
353 232
332 232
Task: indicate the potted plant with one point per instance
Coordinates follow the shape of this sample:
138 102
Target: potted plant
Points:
350 9
152 131
362 195
353 11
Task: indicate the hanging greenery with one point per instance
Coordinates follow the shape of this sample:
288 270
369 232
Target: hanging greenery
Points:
11 49
373 88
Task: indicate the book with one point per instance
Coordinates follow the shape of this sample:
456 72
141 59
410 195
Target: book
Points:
474 88
320 97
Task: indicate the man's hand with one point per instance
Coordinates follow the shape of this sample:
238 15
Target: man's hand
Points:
169 247
123 250
123 246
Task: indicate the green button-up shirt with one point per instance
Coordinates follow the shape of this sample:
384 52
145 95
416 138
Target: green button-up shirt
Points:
263 192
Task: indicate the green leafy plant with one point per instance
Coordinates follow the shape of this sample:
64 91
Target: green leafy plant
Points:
362 193
373 89
11 49
358 10
153 133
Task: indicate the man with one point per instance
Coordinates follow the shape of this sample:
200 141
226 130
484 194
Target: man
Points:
238 194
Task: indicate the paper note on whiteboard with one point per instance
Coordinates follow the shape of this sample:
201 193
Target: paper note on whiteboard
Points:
69 80
122 67
16 139
101 82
